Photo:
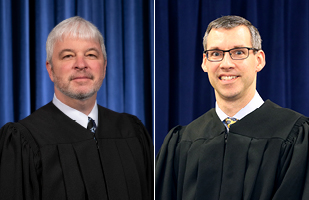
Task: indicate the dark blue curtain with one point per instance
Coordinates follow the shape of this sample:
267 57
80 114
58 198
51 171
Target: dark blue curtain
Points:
127 27
182 89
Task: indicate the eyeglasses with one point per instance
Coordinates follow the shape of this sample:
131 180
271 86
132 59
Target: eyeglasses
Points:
239 53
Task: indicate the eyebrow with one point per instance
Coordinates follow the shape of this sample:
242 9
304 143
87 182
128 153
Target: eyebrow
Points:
217 48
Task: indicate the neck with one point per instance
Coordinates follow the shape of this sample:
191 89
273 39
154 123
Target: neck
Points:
84 106
233 106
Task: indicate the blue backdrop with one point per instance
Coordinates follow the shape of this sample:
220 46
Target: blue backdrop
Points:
182 89
127 27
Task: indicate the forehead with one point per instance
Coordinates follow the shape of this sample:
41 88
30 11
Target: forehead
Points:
76 43
229 38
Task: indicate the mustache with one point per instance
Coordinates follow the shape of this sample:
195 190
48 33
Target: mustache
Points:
81 74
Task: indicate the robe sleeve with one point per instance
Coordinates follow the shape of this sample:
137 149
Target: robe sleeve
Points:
19 164
293 177
166 183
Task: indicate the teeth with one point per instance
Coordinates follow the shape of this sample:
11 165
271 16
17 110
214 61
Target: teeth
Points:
228 77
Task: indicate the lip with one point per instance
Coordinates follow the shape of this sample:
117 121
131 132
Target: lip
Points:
81 77
78 78
228 77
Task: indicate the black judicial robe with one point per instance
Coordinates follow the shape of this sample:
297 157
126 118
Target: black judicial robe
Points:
49 156
265 157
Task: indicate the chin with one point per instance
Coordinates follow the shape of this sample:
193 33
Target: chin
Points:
82 96
229 95
78 94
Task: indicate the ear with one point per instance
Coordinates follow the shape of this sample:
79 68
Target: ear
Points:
204 67
104 67
260 56
50 71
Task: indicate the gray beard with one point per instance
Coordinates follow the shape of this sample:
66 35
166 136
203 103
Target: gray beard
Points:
73 94
77 96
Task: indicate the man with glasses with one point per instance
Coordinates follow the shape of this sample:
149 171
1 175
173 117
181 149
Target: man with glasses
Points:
244 148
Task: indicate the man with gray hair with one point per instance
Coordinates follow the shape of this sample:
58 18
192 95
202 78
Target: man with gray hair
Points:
73 148
244 148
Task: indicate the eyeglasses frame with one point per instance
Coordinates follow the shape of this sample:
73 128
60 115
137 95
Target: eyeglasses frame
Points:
205 52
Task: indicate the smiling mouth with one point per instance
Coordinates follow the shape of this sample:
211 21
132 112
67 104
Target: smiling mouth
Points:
227 78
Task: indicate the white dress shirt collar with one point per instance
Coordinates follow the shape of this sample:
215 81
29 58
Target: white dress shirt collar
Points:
255 103
76 115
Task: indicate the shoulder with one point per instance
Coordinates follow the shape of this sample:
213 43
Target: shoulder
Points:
270 121
116 118
272 109
279 116
105 112
41 114
206 126
15 135
121 124
49 126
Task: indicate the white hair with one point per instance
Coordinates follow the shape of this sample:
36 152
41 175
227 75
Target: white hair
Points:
75 27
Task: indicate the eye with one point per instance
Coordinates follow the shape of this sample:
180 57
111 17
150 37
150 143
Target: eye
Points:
91 55
238 52
215 53
67 56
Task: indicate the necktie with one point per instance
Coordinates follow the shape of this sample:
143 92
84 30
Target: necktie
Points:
229 121
91 125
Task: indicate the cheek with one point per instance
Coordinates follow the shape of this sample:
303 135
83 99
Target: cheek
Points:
211 70
60 68
97 68
249 74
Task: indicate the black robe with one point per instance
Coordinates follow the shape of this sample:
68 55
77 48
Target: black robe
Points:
49 156
265 157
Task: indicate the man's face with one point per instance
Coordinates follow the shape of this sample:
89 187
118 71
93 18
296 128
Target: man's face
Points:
77 69
233 79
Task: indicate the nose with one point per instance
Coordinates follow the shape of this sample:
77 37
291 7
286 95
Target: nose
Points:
227 61
80 63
